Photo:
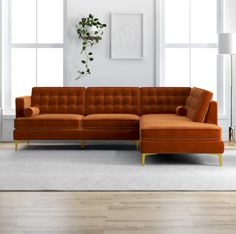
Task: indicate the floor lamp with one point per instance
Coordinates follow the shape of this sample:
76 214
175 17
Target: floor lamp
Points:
227 45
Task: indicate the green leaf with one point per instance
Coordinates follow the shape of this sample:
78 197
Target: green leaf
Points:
90 16
83 61
90 53
91 59
83 49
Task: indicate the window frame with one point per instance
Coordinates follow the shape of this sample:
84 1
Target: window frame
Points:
7 92
161 46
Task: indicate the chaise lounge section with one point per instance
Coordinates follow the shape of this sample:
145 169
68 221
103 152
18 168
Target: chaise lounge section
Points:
170 133
163 120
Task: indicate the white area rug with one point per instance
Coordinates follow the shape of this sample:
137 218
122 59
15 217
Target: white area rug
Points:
111 167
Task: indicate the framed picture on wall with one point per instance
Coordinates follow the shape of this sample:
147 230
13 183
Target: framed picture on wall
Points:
127 36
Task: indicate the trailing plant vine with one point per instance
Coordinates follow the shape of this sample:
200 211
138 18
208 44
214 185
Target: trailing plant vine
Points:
90 31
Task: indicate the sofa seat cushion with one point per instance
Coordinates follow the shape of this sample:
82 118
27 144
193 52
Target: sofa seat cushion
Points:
173 127
49 121
110 121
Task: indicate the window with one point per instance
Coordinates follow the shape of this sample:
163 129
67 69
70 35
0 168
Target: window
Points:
189 45
34 47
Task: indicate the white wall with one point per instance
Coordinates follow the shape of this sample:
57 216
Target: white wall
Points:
107 72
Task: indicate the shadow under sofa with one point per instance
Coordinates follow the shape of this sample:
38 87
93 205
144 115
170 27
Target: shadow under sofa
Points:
146 115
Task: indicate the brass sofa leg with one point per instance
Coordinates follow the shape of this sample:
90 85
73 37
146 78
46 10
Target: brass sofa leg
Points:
28 142
220 159
16 145
143 159
144 155
82 144
137 145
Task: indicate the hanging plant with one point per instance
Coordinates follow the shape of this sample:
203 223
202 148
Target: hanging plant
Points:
90 31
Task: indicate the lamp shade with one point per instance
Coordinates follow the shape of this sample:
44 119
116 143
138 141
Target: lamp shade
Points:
227 43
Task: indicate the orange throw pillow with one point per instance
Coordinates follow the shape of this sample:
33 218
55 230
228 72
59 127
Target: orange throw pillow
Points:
181 110
31 111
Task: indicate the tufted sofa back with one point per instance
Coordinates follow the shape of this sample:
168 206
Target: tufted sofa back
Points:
59 100
113 100
95 100
162 99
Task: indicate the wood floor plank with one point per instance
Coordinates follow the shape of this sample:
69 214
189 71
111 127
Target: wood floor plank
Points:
118 212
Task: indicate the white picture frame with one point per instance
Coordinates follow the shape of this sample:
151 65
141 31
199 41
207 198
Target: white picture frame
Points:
127 36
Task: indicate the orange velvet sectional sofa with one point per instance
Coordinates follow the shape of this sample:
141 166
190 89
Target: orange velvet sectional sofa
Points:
163 120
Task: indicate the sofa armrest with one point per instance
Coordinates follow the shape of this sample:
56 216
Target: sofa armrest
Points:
211 116
21 104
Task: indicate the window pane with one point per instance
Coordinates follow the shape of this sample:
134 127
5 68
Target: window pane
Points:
50 21
176 21
23 13
23 72
204 69
176 67
50 67
204 21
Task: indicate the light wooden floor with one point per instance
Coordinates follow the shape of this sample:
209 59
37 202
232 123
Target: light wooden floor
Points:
117 212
